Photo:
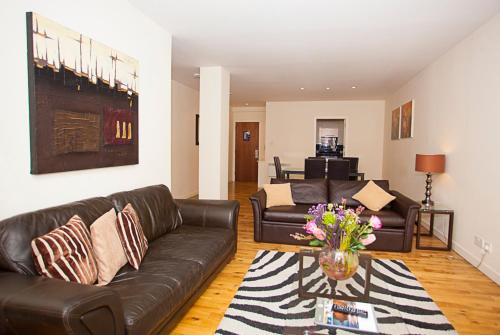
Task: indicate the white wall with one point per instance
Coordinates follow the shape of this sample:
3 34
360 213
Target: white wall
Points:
291 131
214 132
457 101
185 106
246 114
119 25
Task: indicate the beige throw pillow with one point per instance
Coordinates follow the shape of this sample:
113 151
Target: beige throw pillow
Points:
373 196
108 249
278 195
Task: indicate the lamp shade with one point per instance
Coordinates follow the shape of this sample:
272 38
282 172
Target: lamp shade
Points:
430 163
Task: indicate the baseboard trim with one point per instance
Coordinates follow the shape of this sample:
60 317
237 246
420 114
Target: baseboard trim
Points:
187 196
468 256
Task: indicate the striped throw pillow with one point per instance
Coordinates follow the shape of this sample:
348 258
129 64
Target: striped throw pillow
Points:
66 253
134 242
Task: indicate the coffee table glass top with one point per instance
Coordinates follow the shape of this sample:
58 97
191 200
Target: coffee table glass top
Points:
301 304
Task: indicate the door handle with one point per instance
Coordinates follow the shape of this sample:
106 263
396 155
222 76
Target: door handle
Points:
257 154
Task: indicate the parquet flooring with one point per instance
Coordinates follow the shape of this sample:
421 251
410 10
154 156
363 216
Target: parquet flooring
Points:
469 299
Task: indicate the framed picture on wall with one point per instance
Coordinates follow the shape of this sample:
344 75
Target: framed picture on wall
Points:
197 135
407 120
395 123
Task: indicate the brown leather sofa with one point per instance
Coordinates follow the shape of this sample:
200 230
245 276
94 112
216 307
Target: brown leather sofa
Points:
275 224
179 265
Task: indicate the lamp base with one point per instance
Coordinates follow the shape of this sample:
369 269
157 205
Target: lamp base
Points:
428 203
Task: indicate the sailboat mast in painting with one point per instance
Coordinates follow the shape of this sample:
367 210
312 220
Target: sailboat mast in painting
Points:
83 100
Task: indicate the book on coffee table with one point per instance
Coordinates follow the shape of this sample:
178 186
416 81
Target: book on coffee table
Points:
348 315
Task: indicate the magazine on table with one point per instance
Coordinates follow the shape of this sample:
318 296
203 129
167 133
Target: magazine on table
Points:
356 316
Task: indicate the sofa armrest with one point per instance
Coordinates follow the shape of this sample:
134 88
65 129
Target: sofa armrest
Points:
210 213
258 201
38 305
408 209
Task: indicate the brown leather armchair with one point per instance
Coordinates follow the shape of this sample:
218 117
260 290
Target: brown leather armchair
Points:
275 224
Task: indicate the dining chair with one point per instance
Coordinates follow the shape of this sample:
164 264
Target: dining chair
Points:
353 166
277 166
338 169
314 168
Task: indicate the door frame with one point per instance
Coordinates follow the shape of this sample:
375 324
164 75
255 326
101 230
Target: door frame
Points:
232 139
233 143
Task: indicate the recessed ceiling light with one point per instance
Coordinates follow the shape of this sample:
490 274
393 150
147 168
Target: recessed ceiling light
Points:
302 88
246 103
328 88
354 87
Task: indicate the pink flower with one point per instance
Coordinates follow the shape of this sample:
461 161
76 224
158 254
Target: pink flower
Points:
375 222
319 234
369 239
311 227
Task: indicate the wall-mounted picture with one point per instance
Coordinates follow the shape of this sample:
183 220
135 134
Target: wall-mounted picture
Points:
407 120
83 100
395 120
246 135
197 136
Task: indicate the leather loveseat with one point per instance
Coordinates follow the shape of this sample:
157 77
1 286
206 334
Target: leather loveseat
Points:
179 264
275 224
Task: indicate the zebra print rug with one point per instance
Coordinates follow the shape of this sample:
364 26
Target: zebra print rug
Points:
267 300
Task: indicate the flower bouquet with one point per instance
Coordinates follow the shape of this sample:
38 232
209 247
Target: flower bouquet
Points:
341 233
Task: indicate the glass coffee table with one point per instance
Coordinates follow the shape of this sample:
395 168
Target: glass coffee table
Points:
311 283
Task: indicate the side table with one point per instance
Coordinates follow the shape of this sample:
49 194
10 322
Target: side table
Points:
432 211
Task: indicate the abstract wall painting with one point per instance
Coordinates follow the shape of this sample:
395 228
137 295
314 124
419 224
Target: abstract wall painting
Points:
395 121
407 120
83 100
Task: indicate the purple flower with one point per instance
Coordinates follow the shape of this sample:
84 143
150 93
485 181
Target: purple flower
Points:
375 222
368 240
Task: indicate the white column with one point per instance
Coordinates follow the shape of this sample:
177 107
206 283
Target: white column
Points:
213 132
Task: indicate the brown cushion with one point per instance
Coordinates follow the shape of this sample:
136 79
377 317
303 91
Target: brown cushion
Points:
373 196
286 213
278 195
307 191
66 253
133 241
339 189
389 218
108 250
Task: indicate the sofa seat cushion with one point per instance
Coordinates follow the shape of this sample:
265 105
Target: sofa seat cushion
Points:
389 218
173 269
293 214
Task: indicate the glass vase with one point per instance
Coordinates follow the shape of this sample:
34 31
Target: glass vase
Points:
338 265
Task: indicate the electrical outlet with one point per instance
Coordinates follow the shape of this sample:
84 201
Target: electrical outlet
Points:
487 247
479 242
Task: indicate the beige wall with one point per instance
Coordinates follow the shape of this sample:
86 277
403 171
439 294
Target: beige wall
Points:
246 114
185 105
21 191
457 101
291 131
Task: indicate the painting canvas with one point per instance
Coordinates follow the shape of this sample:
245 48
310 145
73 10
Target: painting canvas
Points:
395 120
83 100
407 120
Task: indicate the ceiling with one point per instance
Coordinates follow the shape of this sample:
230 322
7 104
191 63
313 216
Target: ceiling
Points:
274 47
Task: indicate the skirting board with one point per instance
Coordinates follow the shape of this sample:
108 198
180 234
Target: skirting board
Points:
188 196
469 257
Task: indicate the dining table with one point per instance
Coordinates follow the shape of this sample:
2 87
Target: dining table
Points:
300 171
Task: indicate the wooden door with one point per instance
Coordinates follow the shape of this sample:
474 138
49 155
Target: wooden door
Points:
246 151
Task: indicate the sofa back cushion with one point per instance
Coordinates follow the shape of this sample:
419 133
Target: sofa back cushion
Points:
155 207
16 233
306 191
339 189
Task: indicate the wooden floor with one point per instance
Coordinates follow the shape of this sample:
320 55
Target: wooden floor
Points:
469 299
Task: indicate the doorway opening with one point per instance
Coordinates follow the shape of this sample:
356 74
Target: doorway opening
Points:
330 135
